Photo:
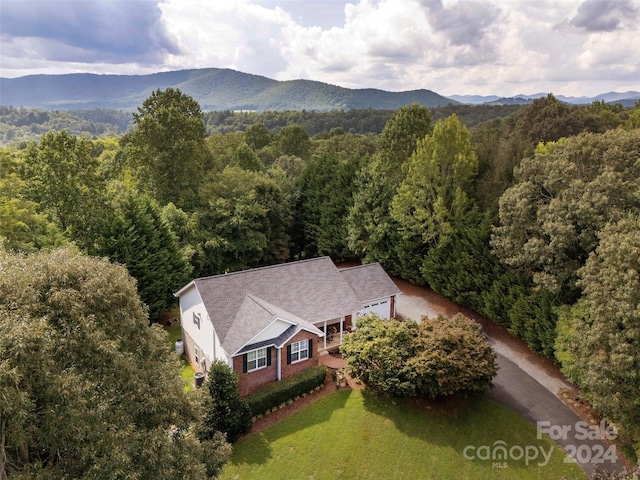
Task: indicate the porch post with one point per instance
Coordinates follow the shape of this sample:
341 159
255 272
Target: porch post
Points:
341 328
325 335
278 367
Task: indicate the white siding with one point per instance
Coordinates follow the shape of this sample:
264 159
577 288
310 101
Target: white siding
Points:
203 334
273 330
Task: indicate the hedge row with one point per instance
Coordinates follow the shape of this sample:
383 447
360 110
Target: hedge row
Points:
276 393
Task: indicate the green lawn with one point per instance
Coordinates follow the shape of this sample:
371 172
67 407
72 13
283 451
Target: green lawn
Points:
358 435
175 334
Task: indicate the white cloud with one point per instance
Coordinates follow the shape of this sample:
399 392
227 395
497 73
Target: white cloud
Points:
570 47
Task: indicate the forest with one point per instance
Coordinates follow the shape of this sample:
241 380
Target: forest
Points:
530 217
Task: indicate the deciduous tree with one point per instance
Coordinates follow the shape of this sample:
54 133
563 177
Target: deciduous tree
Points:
87 388
373 232
564 195
61 177
606 347
167 147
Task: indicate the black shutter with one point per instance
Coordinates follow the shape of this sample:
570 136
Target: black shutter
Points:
310 347
268 356
288 354
244 363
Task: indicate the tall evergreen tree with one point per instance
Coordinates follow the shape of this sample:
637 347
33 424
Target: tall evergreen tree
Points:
373 233
432 203
224 410
138 237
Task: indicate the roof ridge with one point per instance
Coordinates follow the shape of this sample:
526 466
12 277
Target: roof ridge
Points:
266 267
358 266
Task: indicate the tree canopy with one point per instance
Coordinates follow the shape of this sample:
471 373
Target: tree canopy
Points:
167 147
88 389
437 357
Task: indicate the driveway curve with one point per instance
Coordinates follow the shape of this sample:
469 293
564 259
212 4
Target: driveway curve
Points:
527 383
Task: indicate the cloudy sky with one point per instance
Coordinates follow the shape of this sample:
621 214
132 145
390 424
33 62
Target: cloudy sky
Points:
502 47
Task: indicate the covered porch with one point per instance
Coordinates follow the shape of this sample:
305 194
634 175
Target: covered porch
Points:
334 332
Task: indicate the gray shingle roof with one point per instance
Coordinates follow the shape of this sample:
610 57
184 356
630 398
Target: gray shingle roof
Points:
253 316
369 282
312 290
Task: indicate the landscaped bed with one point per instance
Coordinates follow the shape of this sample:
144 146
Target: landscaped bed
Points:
355 434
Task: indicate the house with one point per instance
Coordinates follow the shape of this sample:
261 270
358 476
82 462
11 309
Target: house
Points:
270 323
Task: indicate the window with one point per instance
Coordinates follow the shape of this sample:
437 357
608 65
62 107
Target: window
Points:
196 318
197 355
256 359
299 351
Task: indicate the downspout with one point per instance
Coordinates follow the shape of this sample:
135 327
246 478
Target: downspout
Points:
278 363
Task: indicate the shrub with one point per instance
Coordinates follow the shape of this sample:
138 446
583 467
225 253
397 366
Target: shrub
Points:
437 357
225 410
277 393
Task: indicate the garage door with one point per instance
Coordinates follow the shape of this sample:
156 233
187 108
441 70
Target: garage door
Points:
379 308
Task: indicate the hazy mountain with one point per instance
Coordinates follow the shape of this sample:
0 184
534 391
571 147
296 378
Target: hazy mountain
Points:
474 99
212 88
225 89
625 98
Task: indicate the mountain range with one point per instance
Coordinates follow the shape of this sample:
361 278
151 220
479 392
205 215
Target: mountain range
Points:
218 89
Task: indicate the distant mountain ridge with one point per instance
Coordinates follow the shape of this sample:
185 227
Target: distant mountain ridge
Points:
626 98
213 88
217 89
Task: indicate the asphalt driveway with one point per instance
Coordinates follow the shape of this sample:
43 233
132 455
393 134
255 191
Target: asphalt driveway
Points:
526 382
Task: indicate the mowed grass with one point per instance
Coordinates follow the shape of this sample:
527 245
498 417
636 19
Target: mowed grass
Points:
355 434
175 334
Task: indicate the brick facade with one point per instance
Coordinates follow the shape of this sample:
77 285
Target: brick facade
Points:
289 370
251 381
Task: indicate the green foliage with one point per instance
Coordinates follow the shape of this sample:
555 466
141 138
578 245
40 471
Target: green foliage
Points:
257 136
378 353
373 232
276 393
532 318
225 411
88 389
570 319
461 266
564 195
243 222
437 357
21 125
137 236
244 157
61 176
432 198
452 357
294 140
167 147
326 194
605 352
21 227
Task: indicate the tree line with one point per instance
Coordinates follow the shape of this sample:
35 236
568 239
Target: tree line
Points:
529 219
18 126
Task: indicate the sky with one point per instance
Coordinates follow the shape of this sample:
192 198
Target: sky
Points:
479 47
